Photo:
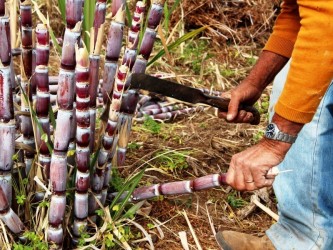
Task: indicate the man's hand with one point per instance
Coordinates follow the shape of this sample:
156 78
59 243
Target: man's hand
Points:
251 88
245 93
248 169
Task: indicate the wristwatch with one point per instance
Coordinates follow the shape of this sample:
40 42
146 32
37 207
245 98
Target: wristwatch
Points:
274 133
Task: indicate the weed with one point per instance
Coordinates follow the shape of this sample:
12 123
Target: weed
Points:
34 241
195 54
117 181
235 200
151 125
172 161
258 136
133 146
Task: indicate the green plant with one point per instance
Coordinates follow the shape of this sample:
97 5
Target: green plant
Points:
151 125
195 54
235 201
34 242
172 160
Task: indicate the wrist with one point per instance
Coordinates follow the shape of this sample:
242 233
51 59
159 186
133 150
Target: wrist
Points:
279 147
287 126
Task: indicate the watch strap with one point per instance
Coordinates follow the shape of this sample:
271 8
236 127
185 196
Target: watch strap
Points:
285 137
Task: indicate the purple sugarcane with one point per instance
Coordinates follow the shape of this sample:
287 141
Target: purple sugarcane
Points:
2 8
110 76
96 39
108 142
65 117
7 120
113 47
26 72
82 143
8 216
154 111
173 114
43 97
177 187
138 65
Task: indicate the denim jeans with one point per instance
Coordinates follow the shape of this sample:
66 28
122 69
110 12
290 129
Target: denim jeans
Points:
305 195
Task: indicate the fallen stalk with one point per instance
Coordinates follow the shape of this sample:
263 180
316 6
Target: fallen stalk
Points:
181 187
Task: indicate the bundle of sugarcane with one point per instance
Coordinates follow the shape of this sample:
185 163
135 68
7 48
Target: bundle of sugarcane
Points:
43 98
7 120
65 118
83 138
137 65
26 88
110 75
7 128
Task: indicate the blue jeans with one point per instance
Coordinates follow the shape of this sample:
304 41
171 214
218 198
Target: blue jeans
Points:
305 195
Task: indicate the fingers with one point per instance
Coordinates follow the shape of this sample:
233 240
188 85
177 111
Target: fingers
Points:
245 178
241 117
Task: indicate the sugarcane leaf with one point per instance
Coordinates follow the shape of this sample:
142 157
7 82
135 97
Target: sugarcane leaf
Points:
62 9
129 186
35 118
88 20
46 22
166 17
52 117
176 44
168 14
128 15
133 209
93 160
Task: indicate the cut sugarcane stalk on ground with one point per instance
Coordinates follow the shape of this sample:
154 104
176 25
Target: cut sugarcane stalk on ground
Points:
184 187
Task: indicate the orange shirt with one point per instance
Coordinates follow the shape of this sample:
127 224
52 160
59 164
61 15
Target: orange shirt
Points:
304 31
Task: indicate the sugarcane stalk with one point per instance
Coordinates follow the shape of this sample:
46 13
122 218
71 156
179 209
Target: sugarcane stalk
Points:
8 216
62 134
82 143
43 98
127 111
99 19
173 114
139 64
7 131
96 39
109 140
159 110
176 188
113 48
2 8
26 72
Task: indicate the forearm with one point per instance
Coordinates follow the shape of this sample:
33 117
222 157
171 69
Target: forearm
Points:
266 68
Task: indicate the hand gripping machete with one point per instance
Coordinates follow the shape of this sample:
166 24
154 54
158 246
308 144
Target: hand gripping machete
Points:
186 94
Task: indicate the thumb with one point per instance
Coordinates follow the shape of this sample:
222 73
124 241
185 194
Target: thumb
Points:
232 109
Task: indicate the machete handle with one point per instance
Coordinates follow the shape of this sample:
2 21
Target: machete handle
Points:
223 104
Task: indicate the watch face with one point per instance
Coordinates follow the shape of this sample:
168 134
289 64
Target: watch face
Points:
270 130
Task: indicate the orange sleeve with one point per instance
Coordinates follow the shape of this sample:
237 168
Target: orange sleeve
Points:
311 69
285 30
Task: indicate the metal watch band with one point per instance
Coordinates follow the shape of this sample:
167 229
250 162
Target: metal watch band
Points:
285 137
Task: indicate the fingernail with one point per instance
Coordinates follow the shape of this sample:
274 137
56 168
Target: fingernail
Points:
229 117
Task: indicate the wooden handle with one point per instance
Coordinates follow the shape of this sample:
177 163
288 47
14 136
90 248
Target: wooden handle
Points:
223 103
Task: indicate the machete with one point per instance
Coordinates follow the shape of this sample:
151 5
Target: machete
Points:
186 94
